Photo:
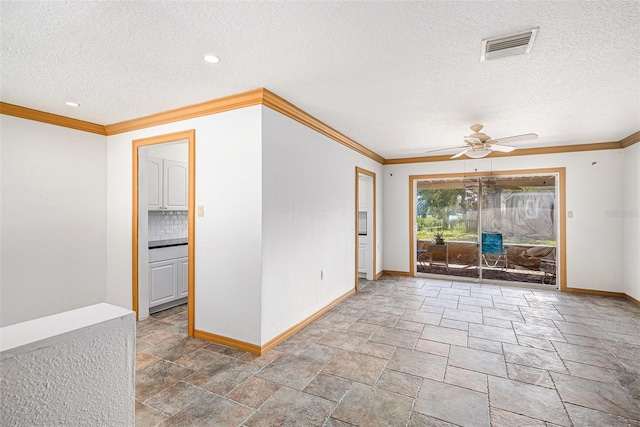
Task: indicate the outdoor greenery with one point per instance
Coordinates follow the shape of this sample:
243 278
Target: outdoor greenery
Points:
444 212
456 231
437 203
435 209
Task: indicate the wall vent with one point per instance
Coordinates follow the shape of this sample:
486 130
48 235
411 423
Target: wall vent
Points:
513 44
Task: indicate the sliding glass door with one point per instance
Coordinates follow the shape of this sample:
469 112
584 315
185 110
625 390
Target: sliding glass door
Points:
447 224
493 228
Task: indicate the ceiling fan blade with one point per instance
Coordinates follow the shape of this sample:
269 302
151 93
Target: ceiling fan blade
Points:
512 139
463 152
447 149
502 148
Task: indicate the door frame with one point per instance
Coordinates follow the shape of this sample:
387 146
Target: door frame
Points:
362 171
561 198
190 136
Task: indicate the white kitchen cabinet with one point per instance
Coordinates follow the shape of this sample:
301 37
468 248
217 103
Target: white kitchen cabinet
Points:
183 277
154 192
362 260
175 185
163 276
168 275
362 256
168 184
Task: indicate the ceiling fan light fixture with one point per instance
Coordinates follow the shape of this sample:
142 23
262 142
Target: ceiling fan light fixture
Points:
479 145
478 154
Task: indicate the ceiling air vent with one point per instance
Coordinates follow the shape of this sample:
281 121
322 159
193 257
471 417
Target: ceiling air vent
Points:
513 44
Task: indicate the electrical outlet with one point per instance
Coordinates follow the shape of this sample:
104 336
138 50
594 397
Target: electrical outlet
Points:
321 274
200 211
569 214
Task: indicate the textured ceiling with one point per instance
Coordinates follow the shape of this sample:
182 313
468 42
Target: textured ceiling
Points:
398 77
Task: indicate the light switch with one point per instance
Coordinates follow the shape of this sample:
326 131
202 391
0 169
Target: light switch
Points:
200 211
569 214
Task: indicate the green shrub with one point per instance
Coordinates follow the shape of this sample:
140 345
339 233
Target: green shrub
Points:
428 223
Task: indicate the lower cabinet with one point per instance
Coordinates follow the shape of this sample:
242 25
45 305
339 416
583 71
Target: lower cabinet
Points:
183 277
163 280
168 275
362 256
362 260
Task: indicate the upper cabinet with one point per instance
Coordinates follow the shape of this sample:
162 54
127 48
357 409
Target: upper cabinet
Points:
168 184
176 185
154 194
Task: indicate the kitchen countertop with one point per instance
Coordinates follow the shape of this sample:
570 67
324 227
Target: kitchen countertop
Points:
167 243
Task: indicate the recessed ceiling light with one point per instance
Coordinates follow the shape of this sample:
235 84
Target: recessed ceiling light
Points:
212 59
72 104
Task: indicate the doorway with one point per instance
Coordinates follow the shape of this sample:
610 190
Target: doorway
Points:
164 193
505 227
365 224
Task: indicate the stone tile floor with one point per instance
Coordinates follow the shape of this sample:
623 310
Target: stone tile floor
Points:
407 352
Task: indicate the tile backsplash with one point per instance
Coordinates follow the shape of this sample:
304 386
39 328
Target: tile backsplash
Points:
165 225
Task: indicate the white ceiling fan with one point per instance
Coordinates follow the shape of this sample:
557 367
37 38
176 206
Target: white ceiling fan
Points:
479 144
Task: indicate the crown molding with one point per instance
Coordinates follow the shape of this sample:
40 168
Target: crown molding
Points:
245 99
52 119
232 102
276 103
219 105
634 138
286 108
521 152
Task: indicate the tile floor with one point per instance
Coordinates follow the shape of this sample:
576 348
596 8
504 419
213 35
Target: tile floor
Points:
408 352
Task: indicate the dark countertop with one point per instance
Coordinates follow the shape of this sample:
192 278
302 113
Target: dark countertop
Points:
167 243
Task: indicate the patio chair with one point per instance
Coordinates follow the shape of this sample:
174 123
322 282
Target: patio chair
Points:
492 246
423 253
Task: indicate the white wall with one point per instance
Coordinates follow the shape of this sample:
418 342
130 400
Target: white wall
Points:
308 221
56 252
227 241
53 219
244 190
631 220
74 368
594 251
